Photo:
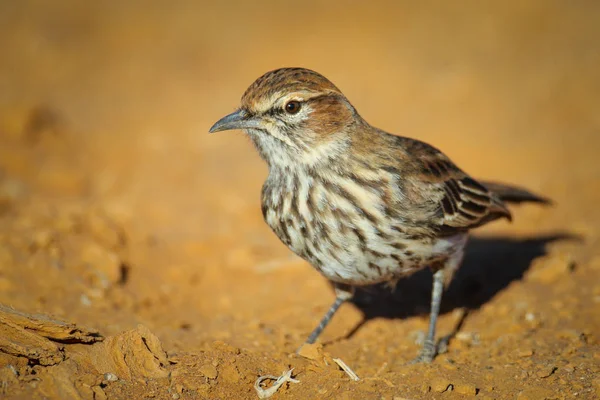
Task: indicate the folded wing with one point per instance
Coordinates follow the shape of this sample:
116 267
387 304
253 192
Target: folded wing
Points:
459 202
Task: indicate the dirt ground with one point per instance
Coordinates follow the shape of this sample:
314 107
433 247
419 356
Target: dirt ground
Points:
134 262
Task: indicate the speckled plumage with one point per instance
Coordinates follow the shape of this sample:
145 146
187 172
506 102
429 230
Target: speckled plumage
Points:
359 204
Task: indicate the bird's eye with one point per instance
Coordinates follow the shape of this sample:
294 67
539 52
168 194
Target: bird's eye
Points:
292 107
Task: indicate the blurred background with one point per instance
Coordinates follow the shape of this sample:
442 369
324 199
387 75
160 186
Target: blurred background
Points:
117 207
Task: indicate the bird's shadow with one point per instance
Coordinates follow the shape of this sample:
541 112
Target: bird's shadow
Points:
489 266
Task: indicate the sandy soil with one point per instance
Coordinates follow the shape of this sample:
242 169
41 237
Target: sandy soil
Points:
134 262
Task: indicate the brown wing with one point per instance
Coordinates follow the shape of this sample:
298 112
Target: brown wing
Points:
460 202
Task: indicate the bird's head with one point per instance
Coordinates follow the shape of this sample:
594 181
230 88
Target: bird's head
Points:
294 115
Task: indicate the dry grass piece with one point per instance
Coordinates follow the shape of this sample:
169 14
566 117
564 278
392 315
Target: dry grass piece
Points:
279 381
346 369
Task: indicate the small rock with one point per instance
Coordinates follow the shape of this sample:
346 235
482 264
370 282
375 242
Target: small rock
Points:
225 347
465 389
525 353
110 377
203 389
311 351
440 385
209 371
569 368
105 265
530 317
470 338
230 374
133 354
546 371
85 300
99 393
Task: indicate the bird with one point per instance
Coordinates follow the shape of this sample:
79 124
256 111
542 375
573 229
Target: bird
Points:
361 205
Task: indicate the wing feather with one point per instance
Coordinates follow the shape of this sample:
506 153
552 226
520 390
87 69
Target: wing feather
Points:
461 202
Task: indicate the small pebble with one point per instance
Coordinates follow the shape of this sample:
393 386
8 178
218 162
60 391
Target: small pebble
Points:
530 317
525 353
546 371
109 376
220 345
465 389
311 351
569 368
471 338
536 393
209 371
440 385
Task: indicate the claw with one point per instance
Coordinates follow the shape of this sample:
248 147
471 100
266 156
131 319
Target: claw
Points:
427 354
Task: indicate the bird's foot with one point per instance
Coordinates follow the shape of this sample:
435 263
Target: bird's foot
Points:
427 354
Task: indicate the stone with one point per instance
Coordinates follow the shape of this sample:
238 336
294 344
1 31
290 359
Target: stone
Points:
465 388
440 384
209 371
312 351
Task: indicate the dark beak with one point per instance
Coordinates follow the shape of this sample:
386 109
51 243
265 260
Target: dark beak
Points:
236 120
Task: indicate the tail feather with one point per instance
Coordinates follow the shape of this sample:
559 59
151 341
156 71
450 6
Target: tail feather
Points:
514 194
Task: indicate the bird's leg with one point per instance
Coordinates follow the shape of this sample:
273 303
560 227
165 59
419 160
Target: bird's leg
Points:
343 293
429 349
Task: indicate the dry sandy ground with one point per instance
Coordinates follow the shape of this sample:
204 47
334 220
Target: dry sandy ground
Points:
134 262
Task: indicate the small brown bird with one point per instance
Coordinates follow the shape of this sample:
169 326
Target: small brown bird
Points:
361 205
